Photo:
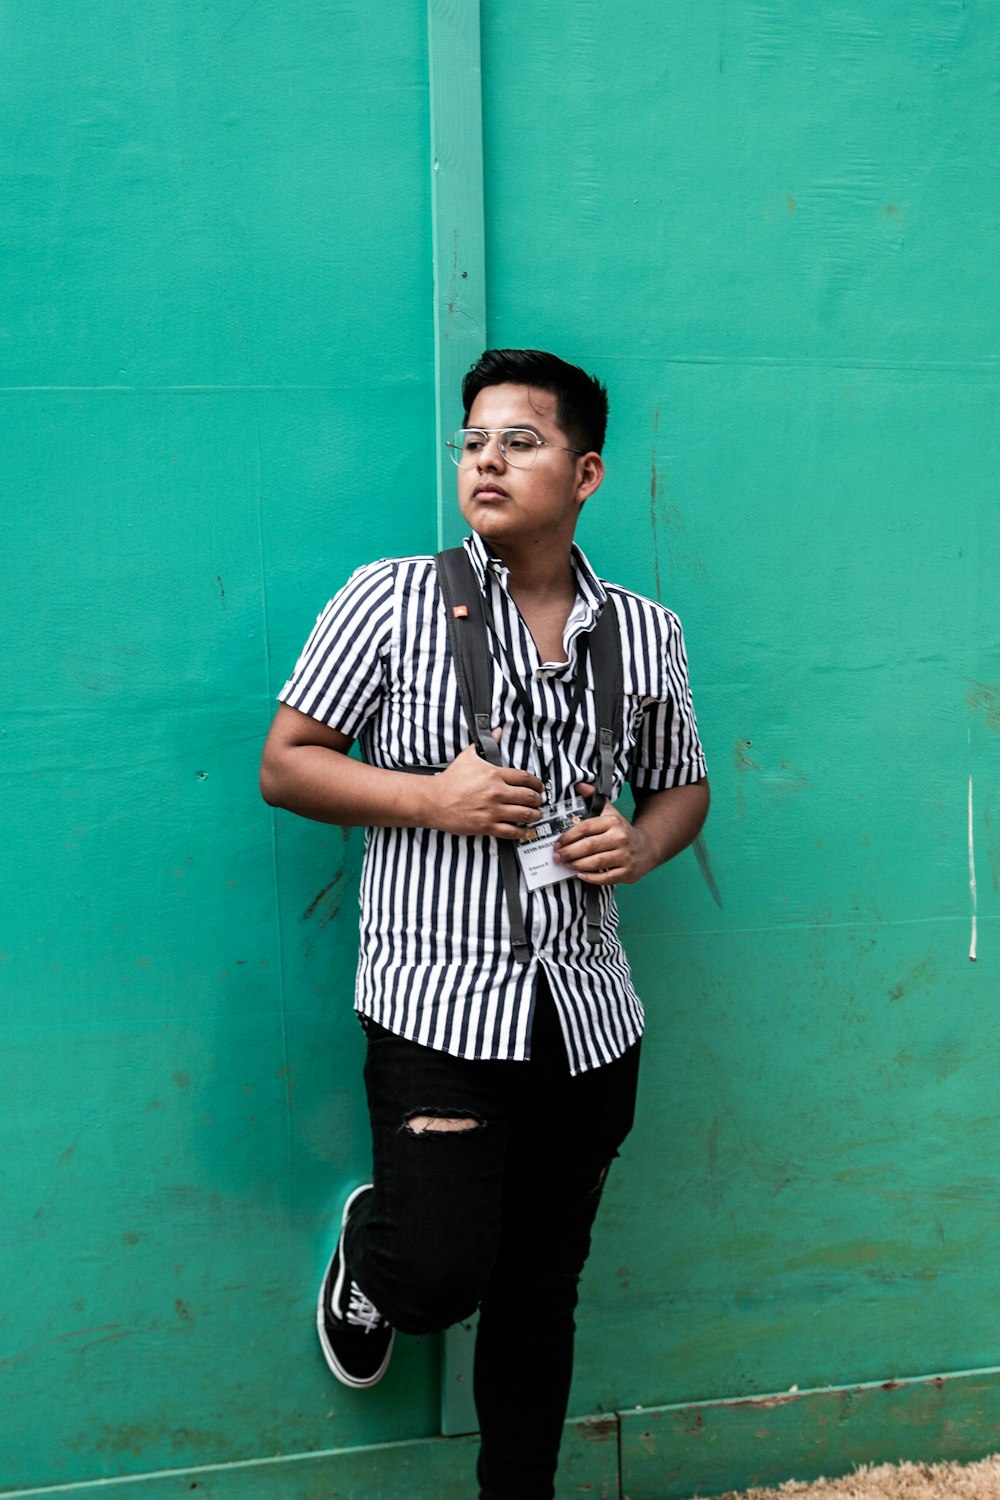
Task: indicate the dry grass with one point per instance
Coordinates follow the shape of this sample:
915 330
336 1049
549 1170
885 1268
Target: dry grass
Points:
979 1481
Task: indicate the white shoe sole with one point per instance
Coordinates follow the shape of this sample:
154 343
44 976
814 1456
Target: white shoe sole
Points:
344 1376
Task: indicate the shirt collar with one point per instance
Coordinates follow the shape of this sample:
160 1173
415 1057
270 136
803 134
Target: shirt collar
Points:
480 556
589 591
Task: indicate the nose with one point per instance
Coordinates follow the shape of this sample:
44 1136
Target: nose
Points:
491 457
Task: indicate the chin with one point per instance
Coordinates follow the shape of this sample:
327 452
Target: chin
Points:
482 518
489 526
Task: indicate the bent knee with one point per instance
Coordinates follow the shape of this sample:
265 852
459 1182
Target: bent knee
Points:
435 1296
443 1122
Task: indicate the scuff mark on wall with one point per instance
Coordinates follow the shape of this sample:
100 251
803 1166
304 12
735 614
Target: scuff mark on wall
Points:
705 866
315 902
602 1429
919 974
768 1403
984 697
741 759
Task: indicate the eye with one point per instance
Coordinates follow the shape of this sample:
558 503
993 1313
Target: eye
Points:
517 441
474 442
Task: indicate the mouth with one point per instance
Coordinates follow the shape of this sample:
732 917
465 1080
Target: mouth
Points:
489 492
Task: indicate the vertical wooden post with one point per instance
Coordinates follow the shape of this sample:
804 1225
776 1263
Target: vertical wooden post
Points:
459 339
458 229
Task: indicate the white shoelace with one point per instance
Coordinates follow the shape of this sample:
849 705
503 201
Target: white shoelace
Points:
362 1312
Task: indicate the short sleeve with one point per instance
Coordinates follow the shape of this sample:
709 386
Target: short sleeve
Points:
340 676
668 751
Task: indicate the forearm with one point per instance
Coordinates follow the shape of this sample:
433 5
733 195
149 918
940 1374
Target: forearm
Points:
667 822
329 787
306 769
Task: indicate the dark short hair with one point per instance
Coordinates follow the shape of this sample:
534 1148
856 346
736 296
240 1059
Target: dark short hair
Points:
581 399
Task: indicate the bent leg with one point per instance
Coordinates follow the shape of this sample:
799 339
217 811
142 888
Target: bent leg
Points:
423 1243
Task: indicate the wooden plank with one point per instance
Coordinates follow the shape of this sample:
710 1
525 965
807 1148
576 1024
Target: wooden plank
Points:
459 338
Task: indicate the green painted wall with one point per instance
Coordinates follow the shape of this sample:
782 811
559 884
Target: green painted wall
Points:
772 228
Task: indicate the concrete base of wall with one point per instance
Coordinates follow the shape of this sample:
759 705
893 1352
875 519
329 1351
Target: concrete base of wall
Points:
660 1453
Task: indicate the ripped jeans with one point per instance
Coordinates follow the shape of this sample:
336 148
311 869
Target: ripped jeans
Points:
496 1216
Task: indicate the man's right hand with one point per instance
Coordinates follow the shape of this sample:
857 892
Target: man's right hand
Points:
306 768
473 797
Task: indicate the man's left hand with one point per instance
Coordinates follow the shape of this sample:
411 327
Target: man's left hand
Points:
606 850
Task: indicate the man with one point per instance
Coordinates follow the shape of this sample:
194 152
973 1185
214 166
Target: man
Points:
499 1087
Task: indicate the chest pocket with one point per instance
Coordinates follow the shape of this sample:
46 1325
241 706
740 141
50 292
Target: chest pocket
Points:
422 726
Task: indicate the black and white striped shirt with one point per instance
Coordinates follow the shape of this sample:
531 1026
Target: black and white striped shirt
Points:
436 964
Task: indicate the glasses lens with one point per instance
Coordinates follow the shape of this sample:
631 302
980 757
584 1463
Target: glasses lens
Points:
466 445
519 447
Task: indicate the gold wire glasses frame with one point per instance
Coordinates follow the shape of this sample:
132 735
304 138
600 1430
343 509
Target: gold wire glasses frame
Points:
518 445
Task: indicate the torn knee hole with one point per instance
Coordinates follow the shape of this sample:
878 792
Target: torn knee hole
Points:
440 1122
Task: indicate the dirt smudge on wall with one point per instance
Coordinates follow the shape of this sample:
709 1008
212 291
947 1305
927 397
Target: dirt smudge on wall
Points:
984 698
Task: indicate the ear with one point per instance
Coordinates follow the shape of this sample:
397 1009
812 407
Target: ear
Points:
590 473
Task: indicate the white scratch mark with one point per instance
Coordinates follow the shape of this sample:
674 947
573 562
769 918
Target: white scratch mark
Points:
972 877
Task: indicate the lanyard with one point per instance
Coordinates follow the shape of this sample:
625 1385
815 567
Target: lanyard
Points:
527 708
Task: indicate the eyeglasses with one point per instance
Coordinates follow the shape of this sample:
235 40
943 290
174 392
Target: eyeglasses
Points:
518 445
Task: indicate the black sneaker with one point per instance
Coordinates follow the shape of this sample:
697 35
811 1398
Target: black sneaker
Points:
355 1338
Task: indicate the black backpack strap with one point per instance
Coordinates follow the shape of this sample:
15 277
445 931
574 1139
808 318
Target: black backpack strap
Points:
609 688
463 607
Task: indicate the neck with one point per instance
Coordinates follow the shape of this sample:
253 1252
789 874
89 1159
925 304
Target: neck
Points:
538 572
543 587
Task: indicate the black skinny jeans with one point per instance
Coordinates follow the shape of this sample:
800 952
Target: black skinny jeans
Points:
498 1216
